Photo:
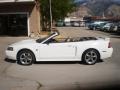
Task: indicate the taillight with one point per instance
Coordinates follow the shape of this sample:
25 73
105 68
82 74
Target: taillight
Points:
109 45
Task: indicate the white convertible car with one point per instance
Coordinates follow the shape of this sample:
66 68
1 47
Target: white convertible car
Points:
86 49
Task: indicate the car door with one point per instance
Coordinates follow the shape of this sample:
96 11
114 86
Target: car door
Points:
57 51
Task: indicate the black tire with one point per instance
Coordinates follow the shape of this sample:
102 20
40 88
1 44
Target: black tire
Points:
25 57
90 56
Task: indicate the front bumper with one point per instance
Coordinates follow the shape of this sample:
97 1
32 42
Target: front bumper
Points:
10 55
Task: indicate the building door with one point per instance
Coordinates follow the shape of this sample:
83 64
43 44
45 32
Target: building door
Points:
13 24
3 24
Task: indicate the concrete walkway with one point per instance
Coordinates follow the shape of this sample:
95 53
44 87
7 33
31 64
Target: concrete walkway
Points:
11 83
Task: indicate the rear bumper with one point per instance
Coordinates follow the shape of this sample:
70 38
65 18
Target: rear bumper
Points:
107 53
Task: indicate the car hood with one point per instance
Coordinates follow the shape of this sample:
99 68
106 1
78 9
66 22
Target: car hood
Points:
28 41
106 26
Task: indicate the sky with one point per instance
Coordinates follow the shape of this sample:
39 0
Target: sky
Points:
83 0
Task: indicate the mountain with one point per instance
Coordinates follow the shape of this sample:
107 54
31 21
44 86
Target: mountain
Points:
115 1
100 7
113 10
81 11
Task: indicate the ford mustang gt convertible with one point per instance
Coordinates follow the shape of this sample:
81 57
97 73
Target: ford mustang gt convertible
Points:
86 49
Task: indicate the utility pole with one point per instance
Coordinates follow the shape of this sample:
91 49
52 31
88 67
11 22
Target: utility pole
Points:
50 16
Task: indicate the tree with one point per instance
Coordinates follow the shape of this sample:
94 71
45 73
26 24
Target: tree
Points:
60 9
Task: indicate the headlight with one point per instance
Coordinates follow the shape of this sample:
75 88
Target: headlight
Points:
10 48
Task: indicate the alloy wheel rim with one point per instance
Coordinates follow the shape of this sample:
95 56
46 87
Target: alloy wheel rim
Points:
25 58
91 57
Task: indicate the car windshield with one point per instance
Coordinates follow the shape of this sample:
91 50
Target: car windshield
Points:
42 39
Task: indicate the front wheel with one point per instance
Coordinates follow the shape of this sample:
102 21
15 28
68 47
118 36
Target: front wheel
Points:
25 57
90 56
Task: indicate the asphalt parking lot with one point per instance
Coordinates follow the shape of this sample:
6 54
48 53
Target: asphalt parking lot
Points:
62 76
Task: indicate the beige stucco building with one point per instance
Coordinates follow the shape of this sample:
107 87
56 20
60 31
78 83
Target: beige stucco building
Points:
19 17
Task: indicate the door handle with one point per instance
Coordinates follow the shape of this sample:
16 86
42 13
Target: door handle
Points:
71 46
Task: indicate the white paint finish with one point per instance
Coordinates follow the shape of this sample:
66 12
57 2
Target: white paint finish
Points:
5 1
28 23
52 51
25 0
67 51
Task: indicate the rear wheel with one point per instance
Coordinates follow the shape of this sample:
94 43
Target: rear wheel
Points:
90 56
25 57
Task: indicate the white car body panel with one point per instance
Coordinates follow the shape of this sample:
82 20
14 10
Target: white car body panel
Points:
67 51
52 51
